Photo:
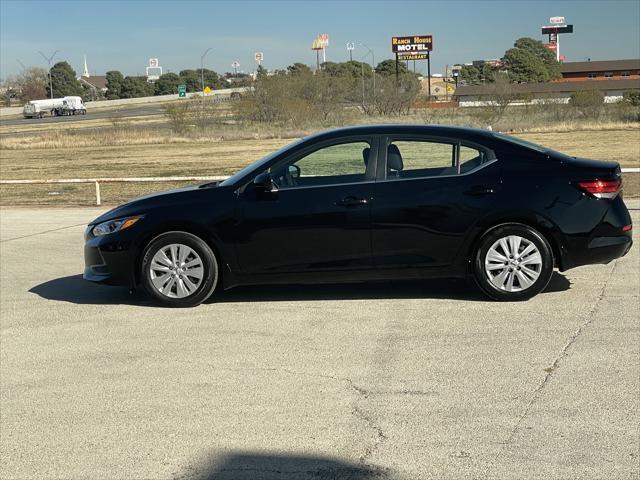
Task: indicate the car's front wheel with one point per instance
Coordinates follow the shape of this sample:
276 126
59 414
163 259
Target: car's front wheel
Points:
179 269
513 262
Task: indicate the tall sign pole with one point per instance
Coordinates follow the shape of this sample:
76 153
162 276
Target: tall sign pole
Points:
556 27
429 74
415 47
350 47
320 43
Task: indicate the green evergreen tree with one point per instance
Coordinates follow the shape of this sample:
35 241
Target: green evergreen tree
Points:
530 61
64 80
114 84
167 84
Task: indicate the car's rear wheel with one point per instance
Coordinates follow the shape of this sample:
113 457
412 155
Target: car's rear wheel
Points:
513 262
179 269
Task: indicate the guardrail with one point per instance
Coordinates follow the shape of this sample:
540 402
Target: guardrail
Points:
224 92
98 181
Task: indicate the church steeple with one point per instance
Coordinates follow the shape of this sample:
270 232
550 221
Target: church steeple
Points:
86 69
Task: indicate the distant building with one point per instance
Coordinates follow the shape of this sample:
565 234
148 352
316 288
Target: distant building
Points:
600 70
98 83
558 92
441 88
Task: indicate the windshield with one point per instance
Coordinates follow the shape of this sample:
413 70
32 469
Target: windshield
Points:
257 165
522 143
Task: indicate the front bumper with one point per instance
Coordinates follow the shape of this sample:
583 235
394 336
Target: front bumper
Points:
109 259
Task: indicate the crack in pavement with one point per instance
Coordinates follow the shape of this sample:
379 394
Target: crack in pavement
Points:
41 233
550 371
359 413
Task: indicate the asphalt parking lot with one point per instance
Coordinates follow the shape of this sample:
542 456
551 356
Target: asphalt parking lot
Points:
418 380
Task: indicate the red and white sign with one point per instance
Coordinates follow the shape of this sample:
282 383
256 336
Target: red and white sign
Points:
552 46
557 20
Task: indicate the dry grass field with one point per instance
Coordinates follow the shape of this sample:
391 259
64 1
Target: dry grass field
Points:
144 148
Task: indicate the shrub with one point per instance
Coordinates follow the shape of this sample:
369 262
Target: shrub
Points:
396 97
179 116
588 102
632 97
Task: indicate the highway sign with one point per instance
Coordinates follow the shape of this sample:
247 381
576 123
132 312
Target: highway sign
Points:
182 91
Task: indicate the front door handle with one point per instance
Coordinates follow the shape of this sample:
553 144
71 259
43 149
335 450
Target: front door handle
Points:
478 190
351 201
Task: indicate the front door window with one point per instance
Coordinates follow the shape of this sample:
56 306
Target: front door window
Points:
331 165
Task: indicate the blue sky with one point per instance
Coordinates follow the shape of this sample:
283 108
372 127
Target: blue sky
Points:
122 35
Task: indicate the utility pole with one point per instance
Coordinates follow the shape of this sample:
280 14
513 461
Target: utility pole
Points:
49 60
373 64
202 72
362 75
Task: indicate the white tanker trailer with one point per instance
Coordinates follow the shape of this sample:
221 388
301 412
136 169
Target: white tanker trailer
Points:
54 107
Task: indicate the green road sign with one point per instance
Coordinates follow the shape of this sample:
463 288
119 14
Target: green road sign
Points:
182 90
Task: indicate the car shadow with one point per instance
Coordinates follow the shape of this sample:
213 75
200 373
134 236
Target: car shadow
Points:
249 466
74 289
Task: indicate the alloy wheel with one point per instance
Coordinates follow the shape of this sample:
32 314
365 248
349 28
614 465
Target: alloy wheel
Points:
513 263
176 270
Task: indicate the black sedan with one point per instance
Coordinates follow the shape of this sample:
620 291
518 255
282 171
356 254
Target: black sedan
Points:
371 203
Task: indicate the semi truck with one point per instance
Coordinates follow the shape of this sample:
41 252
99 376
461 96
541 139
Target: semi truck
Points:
54 107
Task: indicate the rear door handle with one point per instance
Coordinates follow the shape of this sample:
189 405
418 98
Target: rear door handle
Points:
478 190
351 201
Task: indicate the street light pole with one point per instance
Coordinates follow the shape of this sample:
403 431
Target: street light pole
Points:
202 71
49 59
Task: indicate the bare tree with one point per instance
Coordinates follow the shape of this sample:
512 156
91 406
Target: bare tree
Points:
31 84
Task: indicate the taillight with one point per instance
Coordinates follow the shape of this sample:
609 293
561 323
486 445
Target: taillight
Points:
602 188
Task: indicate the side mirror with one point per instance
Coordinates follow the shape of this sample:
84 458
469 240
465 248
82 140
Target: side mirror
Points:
294 171
264 183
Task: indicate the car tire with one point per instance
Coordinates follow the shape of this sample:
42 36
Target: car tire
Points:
513 262
179 269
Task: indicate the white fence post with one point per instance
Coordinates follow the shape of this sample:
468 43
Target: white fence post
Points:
98 201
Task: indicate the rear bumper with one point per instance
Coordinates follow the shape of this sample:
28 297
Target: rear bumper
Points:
608 238
601 250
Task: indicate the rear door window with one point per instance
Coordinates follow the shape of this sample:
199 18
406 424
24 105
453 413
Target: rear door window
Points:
418 159
408 159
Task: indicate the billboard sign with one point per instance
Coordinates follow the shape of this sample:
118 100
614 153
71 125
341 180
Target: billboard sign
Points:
557 29
320 42
413 44
557 20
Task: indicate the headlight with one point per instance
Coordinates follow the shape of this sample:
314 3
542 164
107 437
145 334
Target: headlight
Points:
111 226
